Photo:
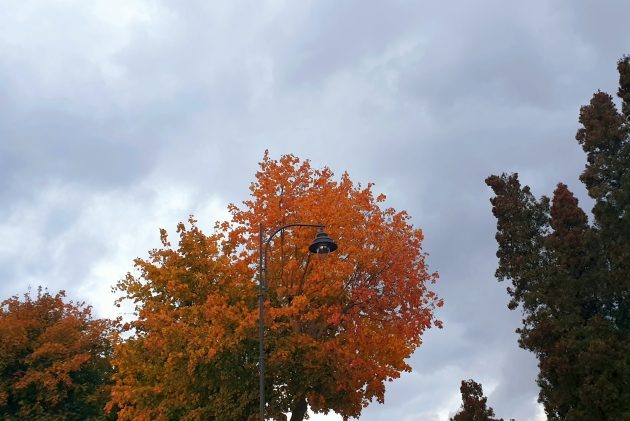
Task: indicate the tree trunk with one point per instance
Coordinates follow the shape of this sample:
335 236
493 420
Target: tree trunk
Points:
299 410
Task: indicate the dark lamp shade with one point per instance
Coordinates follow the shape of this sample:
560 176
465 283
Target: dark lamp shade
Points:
322 244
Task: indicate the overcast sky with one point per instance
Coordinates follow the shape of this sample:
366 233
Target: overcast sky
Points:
119 117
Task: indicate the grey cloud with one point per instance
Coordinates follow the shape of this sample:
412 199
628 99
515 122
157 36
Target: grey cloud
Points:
601 28
332 37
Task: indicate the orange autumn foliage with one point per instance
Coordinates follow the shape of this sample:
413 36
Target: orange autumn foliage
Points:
54 359
190 356
336 328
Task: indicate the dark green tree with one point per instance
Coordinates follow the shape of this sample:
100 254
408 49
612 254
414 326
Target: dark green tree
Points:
572 278
474 404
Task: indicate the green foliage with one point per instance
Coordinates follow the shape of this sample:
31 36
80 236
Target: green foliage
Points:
572 279
54 360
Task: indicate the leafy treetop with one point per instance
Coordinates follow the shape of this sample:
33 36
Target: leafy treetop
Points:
54 359
336 328
572 278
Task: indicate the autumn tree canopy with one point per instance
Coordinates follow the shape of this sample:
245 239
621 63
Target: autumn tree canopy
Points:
337 328
192 354
572 278
54 360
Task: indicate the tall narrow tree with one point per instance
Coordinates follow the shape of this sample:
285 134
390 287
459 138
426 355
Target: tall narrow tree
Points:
572 279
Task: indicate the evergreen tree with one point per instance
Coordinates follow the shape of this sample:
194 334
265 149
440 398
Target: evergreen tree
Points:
572 279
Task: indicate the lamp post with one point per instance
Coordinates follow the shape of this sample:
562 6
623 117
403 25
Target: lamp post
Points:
322 244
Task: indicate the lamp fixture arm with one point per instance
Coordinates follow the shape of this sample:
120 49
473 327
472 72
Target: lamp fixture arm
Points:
277 230
273 234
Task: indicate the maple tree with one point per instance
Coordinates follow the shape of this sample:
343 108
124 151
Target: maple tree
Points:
192 354
54 359
474 404
336 328
572 278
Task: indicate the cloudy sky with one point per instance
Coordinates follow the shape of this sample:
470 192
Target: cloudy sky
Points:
122 116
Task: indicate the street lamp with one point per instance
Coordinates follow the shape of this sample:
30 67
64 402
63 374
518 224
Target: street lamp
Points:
321 245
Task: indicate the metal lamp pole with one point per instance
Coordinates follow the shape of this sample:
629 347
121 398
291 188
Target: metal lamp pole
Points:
321 245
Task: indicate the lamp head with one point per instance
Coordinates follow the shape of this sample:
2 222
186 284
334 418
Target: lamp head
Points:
322 244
